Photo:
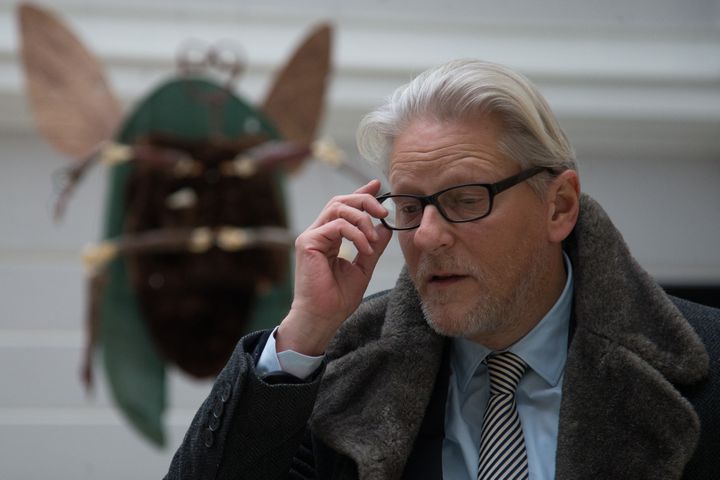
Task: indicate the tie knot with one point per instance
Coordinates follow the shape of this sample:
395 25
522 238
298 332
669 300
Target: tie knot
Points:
505 370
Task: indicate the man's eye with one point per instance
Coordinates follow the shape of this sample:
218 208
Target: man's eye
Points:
409 209
465 198
469 200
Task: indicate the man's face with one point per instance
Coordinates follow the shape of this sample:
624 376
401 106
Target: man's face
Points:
475 279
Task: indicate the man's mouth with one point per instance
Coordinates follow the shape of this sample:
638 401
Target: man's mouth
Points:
445 279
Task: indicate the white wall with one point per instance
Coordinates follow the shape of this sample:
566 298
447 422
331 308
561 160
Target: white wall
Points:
636 84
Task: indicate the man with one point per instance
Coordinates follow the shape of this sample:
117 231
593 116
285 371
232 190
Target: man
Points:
521 340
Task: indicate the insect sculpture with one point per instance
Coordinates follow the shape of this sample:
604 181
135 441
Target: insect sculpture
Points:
196 246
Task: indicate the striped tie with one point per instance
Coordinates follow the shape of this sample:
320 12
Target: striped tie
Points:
502 446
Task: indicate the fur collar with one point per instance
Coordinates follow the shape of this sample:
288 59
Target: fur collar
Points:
621 416
373 414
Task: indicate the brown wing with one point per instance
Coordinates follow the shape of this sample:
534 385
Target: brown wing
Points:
296 98
74 108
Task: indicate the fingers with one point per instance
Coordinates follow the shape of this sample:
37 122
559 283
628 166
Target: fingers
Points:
333 232
349 217
356 217
372 187
348 206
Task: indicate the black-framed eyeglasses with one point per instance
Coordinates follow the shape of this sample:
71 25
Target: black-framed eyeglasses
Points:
458 204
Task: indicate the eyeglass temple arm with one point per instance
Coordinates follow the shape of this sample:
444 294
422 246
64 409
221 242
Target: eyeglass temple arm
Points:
515 179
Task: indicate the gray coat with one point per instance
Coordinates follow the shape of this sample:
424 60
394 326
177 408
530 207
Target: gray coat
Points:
638 394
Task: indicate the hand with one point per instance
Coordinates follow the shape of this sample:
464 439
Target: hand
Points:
328 288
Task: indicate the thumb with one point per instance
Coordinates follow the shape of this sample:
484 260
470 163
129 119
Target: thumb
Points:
367 262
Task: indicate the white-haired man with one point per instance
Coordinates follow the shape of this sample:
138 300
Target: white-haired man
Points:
521 340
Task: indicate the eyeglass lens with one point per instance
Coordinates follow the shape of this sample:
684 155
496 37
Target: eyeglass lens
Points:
456 204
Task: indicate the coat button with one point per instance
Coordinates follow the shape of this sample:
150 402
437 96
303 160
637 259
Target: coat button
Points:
209 438
225 391
214 423
218 408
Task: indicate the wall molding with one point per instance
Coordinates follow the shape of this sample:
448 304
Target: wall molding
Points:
658 79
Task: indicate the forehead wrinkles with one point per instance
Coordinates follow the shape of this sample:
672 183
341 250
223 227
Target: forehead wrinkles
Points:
428 152
421 161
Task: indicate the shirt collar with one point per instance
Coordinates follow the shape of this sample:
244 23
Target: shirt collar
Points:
544 348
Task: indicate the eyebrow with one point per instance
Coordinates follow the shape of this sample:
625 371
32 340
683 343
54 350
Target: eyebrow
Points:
445 185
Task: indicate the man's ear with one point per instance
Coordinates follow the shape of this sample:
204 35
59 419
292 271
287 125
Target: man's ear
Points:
563 200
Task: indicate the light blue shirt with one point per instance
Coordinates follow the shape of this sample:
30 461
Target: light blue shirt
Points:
288 361
544 349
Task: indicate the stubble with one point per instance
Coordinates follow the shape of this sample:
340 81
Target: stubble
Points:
496 307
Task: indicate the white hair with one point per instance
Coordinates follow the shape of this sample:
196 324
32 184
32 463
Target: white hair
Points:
471 89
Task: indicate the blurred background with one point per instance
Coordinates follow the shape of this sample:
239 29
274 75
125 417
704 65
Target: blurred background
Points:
635 83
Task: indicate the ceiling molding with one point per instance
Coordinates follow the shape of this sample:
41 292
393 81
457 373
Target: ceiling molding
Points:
642 87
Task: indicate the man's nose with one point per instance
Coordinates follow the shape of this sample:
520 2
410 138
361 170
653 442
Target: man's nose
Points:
434 231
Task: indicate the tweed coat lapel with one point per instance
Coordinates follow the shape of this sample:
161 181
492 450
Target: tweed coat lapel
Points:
621 415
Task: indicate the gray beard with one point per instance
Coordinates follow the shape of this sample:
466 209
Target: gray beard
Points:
484 319
491 312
